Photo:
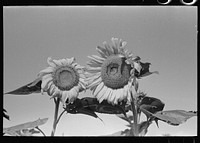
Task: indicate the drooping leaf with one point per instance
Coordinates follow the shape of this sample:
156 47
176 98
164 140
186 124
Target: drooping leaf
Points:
174 117
14 130
143 126
90 105
151 105
5 115
144 70
79 107
33 87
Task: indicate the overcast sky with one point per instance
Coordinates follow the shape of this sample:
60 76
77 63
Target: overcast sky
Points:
163 36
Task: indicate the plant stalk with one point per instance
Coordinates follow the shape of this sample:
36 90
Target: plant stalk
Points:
57 102
135 117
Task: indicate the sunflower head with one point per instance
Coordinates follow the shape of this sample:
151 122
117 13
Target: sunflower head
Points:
63 78
111 74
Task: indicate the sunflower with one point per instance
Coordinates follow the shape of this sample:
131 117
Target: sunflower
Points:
63 78
111 75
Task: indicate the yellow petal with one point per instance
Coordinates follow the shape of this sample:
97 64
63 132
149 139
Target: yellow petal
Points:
64 62
106 95
98 89
101 93
112 96
51 62
45 80
96 82
47 70
121 97
109 49
58 62
64 96
56 92
52 89
71 60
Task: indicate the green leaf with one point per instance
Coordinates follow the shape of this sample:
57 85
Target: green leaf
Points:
5 115
15 130
89 106
144 70
33 87
79 107
143 126
151 105
174 117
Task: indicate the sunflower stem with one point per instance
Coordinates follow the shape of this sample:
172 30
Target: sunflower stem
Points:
60 116
135 117
40 131
57 102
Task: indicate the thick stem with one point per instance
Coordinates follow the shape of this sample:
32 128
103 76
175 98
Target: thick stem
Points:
135 117
55 116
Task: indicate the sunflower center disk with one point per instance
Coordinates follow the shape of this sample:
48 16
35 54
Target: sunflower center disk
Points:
115 72
66 78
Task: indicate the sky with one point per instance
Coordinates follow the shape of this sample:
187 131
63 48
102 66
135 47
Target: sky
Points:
164 36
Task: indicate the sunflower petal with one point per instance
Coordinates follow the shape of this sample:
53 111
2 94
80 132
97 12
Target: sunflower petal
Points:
64 62
101 53
101 93
71 60
46 71
64 97
51 62
98 89
45 80
57 62
96 82
109 50
103 50
106 95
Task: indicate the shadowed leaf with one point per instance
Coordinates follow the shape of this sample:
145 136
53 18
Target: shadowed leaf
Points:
15 130
90 105
33 87
151 104
5 115
143 126
144 70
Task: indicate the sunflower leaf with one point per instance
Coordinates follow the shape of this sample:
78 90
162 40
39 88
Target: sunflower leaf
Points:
144 70
151 105
143 126
90 105
5 115
79 107
33 87
174 117
16 130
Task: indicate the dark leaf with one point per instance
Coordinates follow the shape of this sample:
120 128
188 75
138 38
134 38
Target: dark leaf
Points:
16 130
5 115
144 71
174 117
90 105
143 126
33 87
151 105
